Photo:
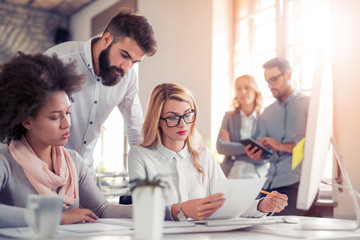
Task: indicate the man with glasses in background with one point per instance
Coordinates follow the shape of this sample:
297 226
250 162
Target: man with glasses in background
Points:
282 126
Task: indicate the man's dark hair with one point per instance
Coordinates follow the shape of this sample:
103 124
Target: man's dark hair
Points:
281 63
26 84
128 23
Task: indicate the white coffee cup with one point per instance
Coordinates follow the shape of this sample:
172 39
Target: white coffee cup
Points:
43 214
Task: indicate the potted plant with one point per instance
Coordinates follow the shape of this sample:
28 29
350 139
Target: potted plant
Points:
148 206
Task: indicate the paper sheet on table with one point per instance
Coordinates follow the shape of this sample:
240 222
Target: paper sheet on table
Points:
88 230
239 195
128 222
71 230
92 227
17 233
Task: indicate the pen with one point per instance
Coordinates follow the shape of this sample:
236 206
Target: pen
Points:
267 193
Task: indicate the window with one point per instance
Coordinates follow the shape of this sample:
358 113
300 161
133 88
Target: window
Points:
110 153
294 29
110 156
111 148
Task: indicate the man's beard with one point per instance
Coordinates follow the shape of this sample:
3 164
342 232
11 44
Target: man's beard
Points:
109 74
275 93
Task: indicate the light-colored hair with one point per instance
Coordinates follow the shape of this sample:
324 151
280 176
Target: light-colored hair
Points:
258 96
151 130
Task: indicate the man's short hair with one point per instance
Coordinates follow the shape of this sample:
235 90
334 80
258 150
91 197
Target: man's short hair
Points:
281 63
128 23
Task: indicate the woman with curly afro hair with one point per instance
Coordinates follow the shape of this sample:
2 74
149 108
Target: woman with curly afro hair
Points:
35 108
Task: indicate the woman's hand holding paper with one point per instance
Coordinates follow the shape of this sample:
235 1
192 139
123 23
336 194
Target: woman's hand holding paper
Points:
201 208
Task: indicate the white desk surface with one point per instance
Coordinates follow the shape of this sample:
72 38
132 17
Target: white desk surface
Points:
272 231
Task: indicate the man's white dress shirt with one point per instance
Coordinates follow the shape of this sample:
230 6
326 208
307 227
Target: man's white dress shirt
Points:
94 102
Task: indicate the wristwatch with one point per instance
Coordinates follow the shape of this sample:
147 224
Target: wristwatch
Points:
180 215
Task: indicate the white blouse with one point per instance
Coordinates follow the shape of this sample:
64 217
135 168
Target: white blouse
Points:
243 169
247 124
185 182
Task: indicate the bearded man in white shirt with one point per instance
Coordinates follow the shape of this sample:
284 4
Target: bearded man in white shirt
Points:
111 81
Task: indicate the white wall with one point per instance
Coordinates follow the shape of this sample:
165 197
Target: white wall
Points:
194 40
222 90
80 23
184 33
346 74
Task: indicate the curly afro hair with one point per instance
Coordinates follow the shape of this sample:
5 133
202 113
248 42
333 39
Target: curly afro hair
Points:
26 83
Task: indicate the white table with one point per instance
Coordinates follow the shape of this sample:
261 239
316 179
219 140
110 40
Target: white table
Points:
272 231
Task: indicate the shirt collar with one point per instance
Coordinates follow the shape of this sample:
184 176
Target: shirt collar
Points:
88 54
253 115
289 99
168 154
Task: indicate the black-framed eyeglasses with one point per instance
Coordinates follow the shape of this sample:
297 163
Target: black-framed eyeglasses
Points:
174 121
274 79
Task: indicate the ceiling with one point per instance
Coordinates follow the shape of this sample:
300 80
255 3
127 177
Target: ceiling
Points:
61 7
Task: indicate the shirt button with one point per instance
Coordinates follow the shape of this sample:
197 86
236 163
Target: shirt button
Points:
95 102
85 142
91 122
98 79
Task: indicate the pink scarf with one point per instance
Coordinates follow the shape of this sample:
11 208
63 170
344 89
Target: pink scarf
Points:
43 180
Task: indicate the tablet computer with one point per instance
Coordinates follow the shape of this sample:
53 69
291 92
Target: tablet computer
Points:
266 153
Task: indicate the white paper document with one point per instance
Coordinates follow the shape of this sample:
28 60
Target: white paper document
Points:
128 222
16 233
98 227
238 221
239 195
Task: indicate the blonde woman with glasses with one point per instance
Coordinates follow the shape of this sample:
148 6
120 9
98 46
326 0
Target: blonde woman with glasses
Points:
171 147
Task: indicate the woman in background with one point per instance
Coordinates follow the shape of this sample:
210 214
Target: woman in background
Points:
238 124
35 121
172 148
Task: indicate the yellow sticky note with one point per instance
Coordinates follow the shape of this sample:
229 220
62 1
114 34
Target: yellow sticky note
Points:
298 153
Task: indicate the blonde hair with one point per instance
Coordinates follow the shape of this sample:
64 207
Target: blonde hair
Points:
258 96
151 131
